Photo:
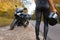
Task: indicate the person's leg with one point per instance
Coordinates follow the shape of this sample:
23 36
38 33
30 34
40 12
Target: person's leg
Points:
38 19
45 28
45 14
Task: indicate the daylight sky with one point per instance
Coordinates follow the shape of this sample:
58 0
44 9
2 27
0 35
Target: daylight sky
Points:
30 5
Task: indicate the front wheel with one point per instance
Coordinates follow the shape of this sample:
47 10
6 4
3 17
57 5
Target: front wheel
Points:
13 24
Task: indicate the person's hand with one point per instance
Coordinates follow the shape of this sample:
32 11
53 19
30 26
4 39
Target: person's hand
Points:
54 10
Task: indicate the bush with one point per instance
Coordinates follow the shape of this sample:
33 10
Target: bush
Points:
58 9
7 14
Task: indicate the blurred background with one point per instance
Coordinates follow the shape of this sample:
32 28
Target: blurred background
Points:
7 9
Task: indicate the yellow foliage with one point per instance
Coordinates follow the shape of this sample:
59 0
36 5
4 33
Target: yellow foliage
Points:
6 4
7 7
57 1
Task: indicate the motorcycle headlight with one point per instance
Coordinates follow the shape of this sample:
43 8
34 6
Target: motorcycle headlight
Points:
18 13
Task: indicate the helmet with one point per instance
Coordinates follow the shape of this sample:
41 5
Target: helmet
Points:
52 19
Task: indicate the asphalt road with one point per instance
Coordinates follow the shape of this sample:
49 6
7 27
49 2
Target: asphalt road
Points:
54 31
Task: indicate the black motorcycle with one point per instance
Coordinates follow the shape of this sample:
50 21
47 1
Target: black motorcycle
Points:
21 19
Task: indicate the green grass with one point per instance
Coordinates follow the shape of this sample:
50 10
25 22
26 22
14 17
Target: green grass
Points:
5 21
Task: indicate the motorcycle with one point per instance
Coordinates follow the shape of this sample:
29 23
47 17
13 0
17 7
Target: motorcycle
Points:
21 19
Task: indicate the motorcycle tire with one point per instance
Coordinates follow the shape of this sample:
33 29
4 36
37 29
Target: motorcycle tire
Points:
13 24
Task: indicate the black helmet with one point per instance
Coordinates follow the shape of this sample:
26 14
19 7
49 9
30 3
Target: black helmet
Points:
52 20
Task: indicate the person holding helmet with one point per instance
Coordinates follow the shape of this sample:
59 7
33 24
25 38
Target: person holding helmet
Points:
43 7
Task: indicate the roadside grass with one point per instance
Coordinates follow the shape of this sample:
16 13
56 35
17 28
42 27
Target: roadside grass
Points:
5 21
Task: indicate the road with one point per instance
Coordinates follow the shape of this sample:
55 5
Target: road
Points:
19 33
54 31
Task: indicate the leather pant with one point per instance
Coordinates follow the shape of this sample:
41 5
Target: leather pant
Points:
39 12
